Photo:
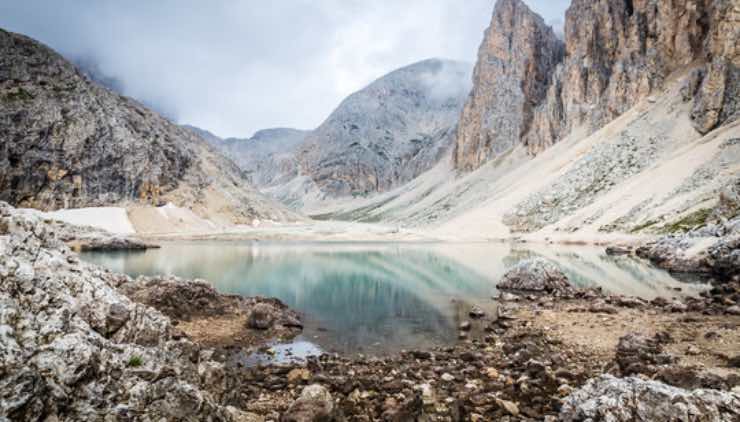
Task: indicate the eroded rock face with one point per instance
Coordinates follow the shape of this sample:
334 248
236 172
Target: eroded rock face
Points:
518 54
618 52
68 142
72 347
629 399
536 275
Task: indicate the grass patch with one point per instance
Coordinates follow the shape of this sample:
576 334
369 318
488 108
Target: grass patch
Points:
643 226
691 221
135 361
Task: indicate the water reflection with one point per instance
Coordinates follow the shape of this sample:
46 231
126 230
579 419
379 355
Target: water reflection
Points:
365 297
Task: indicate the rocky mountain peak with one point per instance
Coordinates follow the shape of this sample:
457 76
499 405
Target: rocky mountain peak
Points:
68 142
518 54
617 52
389 132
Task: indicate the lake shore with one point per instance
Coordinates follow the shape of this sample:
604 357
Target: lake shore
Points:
543 357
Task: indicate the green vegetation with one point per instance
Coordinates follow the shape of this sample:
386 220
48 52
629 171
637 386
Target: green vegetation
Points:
643 226
135 361
691 221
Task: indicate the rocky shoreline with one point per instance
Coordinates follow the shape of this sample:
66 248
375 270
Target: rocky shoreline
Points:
81 343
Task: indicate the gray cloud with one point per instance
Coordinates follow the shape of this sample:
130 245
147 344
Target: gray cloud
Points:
234 67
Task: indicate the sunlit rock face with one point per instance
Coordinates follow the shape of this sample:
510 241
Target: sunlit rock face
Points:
68 142
518 54
617 52
388 133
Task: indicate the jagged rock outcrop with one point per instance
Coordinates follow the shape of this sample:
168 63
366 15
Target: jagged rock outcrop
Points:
388 133
617 52
628 399
72 347
68 142
515 61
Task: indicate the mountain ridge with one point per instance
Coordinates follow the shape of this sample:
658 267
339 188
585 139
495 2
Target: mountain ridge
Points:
72 143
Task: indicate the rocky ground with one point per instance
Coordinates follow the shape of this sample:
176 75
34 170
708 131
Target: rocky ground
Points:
81 343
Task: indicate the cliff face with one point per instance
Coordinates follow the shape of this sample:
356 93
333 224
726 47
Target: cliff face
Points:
617 52
388 133
518 54
68 142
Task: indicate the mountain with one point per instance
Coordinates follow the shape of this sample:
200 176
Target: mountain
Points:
69 142
389 132
617 52
629 126
90 67
268 157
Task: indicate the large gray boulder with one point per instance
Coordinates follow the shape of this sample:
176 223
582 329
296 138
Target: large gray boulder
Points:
631 399
536 275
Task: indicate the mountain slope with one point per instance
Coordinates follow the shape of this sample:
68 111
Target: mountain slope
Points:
388 133
624 148
616 53
268 157
69 143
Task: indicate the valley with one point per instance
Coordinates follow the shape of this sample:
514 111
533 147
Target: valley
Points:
549 232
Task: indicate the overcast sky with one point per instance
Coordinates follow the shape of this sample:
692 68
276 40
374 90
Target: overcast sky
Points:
234 67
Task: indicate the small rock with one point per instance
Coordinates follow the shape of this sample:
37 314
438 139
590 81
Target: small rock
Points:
299 374
509 406
447 377
477 312
465 326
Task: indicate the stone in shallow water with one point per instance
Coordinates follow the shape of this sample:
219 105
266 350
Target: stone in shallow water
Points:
535 275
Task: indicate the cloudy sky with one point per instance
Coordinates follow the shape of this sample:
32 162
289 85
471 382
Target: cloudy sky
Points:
234 67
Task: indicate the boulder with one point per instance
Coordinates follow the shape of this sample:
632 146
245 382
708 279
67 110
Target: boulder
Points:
315 404
536 275
631 399
261 317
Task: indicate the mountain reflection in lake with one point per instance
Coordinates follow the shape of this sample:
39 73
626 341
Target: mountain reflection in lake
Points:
382 296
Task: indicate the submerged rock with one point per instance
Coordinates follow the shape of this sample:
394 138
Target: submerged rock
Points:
536 275
629 399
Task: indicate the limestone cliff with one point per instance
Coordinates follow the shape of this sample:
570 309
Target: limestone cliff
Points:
617 52
518 54
68 142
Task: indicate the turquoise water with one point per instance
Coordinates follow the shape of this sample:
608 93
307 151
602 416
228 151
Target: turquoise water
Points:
381 296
